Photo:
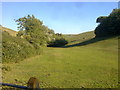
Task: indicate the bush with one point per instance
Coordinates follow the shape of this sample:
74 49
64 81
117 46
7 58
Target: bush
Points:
58 42
15 49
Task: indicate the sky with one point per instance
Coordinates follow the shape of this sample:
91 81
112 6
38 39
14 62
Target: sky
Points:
62 17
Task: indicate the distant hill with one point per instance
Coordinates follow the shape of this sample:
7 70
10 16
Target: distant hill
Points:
10 31
73 38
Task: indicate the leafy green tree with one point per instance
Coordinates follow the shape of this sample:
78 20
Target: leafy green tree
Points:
32 30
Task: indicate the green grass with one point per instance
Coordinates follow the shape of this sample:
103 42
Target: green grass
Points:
91 66
72 38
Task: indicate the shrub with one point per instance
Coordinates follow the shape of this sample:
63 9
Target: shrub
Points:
15 49
58 42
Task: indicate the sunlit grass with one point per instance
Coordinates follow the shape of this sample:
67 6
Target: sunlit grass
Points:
90 66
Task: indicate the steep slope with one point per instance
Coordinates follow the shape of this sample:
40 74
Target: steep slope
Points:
77 38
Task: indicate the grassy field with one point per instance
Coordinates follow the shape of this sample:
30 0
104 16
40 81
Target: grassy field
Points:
94 65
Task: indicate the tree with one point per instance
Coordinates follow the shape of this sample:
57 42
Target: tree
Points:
101 19
29 22
110 25
32 30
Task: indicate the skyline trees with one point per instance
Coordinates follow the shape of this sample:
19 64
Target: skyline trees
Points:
108 25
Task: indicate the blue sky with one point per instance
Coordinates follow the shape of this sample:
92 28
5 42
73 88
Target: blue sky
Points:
62 17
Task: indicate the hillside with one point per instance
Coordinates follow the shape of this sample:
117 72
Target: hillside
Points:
93 65
77 38
10 31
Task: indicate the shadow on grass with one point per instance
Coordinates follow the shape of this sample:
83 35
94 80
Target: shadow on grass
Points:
90 41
